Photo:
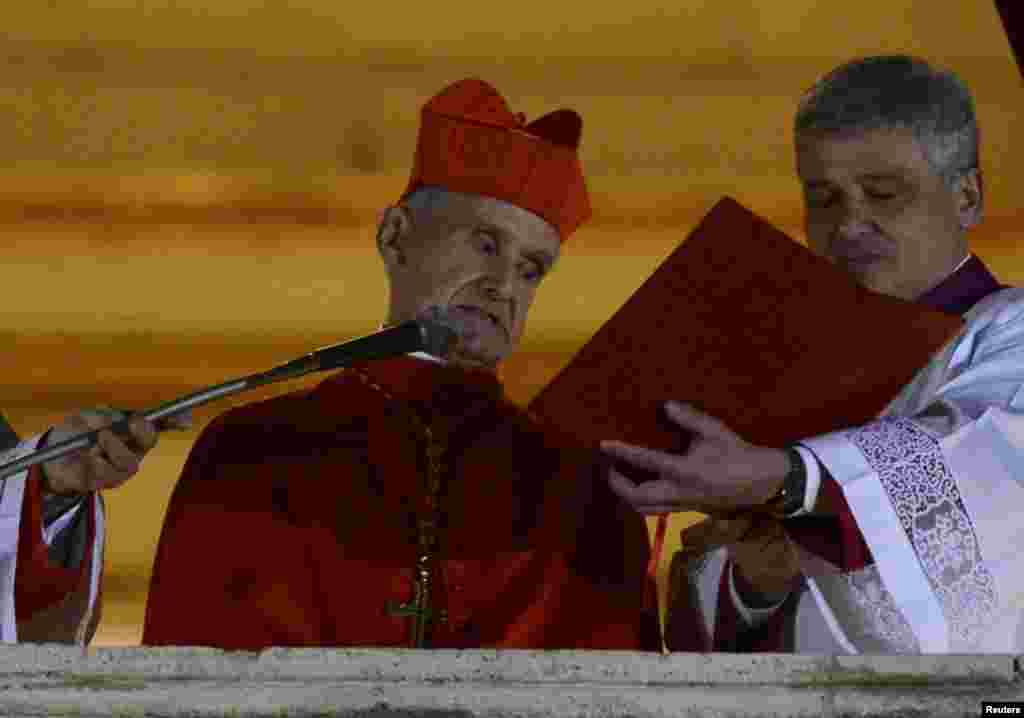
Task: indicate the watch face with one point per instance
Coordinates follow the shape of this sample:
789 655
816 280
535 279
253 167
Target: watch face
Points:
794 485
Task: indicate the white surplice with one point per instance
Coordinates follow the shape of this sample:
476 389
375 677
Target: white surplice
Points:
12 492
936 486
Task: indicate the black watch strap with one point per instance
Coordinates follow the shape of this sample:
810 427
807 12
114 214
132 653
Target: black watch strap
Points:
794 486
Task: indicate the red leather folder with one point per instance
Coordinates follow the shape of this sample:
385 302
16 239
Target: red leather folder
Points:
752 328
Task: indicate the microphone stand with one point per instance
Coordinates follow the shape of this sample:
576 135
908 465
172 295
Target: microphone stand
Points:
422 335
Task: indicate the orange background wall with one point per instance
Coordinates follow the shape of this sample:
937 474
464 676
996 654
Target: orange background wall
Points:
188 189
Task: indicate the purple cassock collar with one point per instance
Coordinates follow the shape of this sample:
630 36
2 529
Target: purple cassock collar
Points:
965 287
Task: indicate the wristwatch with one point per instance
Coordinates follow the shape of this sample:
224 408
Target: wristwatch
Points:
790 499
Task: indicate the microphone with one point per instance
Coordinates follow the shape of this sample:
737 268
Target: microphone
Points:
431 333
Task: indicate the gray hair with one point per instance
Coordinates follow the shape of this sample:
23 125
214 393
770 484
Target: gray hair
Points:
898 91
426 198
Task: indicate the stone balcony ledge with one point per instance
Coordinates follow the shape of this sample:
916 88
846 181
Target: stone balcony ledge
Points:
42 680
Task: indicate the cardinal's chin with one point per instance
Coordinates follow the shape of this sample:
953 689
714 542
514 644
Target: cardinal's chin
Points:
473 351
467 361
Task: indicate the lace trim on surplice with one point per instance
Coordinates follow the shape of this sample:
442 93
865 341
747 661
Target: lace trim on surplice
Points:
921 488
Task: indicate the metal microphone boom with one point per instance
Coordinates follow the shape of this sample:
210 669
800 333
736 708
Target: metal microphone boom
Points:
426 335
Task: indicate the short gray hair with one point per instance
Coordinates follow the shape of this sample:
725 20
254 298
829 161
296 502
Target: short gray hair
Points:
898 91
426 198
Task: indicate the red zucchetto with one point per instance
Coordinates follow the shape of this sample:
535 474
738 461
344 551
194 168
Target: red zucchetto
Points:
471 142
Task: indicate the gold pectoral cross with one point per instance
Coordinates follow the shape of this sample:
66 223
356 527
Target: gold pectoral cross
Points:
420 608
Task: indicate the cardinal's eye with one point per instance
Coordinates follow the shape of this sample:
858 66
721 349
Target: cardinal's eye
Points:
487 242
879 195
534 275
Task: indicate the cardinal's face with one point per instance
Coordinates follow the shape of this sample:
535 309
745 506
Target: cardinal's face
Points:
478 258
877 209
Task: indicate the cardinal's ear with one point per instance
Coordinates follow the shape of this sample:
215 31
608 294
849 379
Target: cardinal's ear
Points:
393 235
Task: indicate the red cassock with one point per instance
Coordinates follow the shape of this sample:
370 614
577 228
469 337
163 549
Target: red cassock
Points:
296 523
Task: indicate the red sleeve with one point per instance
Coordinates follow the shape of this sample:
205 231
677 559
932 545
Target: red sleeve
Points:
229 572
608 566
38 583
837 539
599 617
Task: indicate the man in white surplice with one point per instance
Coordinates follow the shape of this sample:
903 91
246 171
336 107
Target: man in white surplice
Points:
903 535
52 526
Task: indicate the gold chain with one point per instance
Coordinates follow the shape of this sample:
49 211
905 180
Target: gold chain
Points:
420 607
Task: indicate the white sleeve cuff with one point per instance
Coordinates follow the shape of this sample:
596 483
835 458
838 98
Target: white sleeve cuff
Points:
753 617
839 456
813 481
50 532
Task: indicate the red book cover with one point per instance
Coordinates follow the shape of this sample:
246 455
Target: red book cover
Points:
753 329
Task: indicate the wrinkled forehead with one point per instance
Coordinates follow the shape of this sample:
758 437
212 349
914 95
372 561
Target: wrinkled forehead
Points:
515 223
822 156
